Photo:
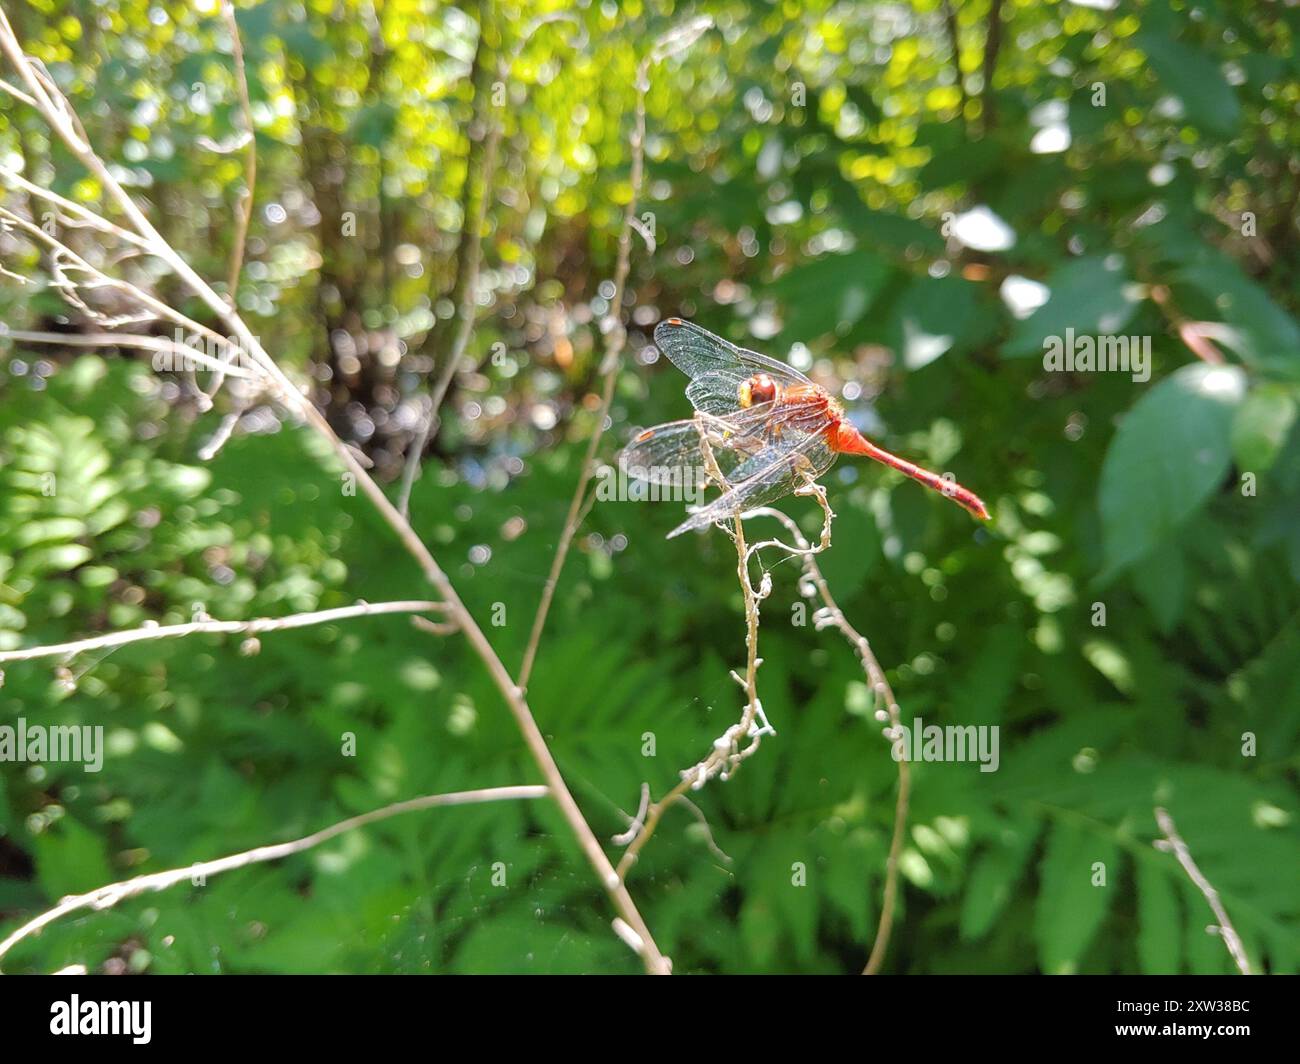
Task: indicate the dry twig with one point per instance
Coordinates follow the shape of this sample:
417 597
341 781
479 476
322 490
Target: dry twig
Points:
58 114
107 896
255 626
887 711
465 313
728 754
671 43
1173 843
245 216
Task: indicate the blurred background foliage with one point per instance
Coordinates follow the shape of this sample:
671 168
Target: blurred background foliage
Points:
905 200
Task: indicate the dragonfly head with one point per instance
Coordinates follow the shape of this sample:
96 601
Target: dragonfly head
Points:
760 388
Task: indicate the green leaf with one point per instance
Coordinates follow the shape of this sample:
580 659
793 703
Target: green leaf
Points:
1092 296
967 162
51 530
829 294
935 316
1170 453
70 858
1070 908
1160 923
57 559
896 232
1196 79
994 878
1162 585
1260 428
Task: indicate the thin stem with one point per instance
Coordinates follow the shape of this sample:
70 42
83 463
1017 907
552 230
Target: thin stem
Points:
157 306
252 627
16 93
83 213
831 615
1173 843
464 324
1194 334
992 45
727 755
140 341
615 340
654 813
244 216
954 42
107 896
467 310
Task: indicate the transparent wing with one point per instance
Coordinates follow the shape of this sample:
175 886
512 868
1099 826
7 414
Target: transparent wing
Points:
671 454
717 391
698 353
765 477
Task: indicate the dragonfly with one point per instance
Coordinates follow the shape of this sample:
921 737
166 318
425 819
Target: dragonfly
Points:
769 430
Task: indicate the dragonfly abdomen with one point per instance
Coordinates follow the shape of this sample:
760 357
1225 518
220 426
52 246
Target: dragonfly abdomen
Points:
843 437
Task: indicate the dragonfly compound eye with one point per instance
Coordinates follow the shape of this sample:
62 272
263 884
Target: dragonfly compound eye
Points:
760 388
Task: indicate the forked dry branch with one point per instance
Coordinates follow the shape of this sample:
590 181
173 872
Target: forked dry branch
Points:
742 739
887 713
36 89
728 753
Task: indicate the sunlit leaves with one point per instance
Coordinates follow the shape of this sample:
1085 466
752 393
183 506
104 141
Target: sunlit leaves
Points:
1090 296
1169 454
1196 80
1080 876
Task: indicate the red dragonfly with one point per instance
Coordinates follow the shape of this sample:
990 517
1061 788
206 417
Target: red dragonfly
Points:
769 428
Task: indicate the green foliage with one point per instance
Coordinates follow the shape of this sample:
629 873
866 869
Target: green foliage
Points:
1168 457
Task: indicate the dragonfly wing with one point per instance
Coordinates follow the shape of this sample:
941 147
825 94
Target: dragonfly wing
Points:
671 454
697 351
665 454
817 458
717 391
764 478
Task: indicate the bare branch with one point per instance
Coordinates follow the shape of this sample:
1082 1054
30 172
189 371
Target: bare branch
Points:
254 627
66 258
59 115
135 340
245 215
82 212
1173 843
464 323
615 339
17 93
107 896
727 754
671 43
887 711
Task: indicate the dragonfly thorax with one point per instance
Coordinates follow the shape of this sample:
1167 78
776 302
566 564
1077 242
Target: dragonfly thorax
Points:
760 388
